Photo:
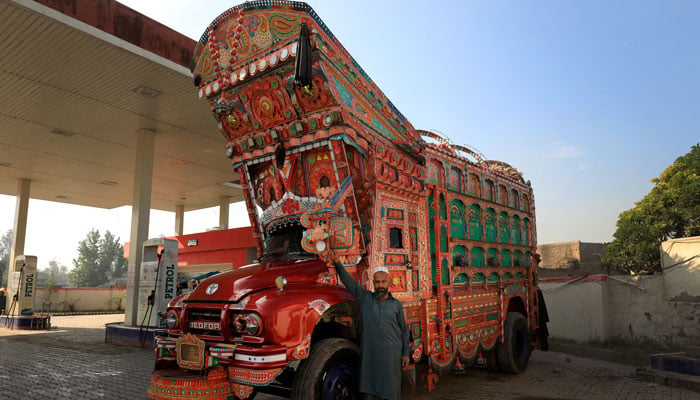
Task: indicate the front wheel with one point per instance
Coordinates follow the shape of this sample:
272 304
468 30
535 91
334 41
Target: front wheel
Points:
331 372
514 352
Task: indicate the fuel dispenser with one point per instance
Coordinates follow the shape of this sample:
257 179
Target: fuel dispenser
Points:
158 280
21 287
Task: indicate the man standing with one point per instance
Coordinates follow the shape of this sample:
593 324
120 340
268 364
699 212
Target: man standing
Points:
384 348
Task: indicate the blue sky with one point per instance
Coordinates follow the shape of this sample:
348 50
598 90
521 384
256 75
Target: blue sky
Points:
590 99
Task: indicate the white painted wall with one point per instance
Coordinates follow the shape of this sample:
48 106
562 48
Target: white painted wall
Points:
632 309
680 260
578 310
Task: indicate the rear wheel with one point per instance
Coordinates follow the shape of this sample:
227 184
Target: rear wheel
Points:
514 353
331 372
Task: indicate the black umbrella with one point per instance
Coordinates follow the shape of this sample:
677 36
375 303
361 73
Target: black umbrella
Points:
302 68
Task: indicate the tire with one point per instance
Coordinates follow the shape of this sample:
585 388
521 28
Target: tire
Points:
331 372
514 353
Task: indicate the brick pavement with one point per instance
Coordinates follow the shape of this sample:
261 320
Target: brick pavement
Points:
75 363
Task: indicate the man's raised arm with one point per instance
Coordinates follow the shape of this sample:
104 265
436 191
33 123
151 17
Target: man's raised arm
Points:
355 290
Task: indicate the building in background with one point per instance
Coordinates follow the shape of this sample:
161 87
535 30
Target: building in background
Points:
571 258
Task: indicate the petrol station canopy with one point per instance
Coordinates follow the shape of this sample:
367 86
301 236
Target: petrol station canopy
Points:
80 80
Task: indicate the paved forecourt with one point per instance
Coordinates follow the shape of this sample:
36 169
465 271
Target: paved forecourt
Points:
73 362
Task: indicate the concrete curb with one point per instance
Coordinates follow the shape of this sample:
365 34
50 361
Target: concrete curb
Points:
598 353
672 379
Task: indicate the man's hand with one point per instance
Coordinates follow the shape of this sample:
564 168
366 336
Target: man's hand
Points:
404 361
333 255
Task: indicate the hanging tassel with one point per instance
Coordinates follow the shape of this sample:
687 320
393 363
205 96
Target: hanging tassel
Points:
302 68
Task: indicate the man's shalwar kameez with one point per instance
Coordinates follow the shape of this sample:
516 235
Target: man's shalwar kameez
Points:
384 340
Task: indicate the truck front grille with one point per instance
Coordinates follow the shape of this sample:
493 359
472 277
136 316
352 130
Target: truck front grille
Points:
205 322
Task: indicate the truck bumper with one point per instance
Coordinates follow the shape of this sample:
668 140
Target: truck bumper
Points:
169 384
227 370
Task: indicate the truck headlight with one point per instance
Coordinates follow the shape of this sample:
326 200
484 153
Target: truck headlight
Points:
249 323
253 324
172 319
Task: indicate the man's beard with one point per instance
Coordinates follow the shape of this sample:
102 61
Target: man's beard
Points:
380 293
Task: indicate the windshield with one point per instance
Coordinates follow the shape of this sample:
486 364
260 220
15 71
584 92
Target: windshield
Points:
285 241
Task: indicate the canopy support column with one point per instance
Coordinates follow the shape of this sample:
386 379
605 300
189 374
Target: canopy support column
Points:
224 202
19 229
179 219
140 214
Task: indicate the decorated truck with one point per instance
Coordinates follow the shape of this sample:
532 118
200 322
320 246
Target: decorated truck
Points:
327 164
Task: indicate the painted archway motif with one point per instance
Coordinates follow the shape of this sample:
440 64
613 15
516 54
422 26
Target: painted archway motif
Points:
528 257
526 232
474 222
474 185
492 254
514 199
460 278
490 230
459 250
489 190
477 257
506 259
454 181
503 228
516 229
518 258
503 195
458 228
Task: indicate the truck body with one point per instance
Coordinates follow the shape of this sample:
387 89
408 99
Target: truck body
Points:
327 163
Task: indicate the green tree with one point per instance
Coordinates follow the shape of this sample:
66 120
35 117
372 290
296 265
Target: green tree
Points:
99 260
5 248
670 210
56 275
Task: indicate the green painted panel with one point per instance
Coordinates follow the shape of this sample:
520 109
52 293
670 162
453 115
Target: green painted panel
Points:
493 277
526 232
431 228
506 259
503 227
459 250
518 255
492 316
490 225
458 228
443 239
474 222
516 229
445 271
491 253
477 257
461 278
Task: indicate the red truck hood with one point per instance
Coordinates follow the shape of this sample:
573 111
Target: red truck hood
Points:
235 284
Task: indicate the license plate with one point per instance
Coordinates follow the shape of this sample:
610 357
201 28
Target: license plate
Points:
190 352
207 325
